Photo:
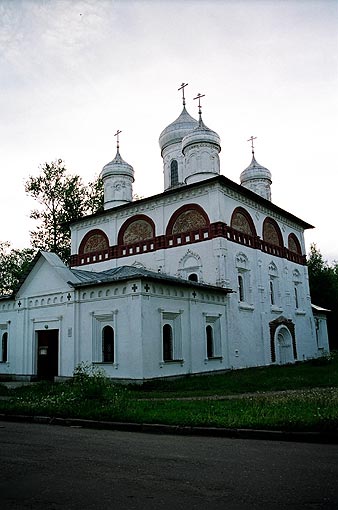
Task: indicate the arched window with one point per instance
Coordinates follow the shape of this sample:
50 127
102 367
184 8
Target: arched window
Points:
241 290
294 244
296 296
4 347
168 351
242 221
210 341
173 173
108 344
272 292
272 233
193 277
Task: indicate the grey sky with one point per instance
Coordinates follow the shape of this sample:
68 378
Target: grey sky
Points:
74 71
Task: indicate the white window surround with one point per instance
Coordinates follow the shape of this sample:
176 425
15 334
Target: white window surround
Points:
243 282
173 319
99 321
213 321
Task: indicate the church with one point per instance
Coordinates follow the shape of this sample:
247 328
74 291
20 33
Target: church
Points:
208 275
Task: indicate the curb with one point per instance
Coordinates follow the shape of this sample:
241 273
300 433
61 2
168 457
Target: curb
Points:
158 428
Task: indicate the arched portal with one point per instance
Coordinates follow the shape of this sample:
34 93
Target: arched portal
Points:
283 342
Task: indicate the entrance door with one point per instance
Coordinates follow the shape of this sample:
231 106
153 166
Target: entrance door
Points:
284 340
48 354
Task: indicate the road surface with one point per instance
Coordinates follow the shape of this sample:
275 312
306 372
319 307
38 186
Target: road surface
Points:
51 467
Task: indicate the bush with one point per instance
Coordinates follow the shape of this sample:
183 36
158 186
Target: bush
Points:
91 382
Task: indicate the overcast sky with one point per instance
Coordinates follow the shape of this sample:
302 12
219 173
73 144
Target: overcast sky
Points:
72 72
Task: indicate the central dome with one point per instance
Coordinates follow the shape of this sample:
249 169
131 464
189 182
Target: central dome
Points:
201 134
176 131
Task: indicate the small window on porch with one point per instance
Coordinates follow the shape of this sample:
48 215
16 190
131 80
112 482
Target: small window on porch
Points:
168 351
108 345
4 347
210 341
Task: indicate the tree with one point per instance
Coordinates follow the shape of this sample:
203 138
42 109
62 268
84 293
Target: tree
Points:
13 265
63 198
323 279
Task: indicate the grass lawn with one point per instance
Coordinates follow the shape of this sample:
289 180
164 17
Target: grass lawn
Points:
310 402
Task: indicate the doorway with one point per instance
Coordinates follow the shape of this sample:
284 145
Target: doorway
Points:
48 354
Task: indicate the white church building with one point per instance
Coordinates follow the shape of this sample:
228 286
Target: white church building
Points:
207 276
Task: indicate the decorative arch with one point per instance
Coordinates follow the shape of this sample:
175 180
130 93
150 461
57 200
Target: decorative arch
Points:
95 240
186 218
190 264
242 221
137 228
294 244
283 340
272 233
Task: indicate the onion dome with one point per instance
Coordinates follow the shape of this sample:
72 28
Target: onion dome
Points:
201 134
175 132
117 167
257 178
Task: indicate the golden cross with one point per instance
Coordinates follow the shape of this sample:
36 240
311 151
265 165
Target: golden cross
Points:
251 139
117 138
199 95
183 85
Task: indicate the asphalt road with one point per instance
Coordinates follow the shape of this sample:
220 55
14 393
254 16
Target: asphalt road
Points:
51 468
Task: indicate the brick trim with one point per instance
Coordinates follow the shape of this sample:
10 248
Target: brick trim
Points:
211 231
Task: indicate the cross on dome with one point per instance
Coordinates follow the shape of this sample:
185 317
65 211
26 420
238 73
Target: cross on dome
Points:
182 87
251 139
199 95
117 139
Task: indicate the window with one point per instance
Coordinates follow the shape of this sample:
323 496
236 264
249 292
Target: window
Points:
108 344
273 286
173 173
243 278
105 338
168 354
213 336
4 347
210 341
241 288
272 292
171 336
296 297
193 277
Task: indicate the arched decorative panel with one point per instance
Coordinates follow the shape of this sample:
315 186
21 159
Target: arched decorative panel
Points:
187 218
93 241
294 244
242 221
272 233
137 228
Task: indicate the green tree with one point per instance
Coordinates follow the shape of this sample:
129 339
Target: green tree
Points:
323 279
63 198
13 265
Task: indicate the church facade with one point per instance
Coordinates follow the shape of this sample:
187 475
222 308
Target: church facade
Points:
207 276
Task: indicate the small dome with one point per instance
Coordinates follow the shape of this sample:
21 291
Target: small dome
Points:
117 167
255 171
175 132
201 134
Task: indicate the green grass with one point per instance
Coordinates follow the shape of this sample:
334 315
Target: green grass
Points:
317 373
310 402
